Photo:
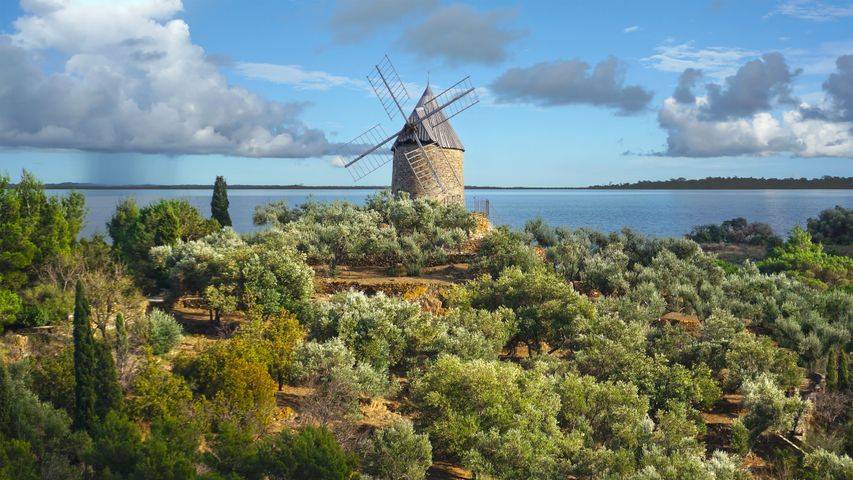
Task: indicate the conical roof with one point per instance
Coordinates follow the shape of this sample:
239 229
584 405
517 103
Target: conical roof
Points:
443 135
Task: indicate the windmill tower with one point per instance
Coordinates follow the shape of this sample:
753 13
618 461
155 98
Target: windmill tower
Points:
427 155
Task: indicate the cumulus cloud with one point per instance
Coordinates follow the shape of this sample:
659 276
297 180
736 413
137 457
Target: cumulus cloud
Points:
839 88
684 92
460 34
355 20
566 82
631 29
738 119
131 80
813 10
755 87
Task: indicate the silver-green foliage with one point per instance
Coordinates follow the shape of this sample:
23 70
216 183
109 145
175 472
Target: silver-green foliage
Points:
396 452
161 331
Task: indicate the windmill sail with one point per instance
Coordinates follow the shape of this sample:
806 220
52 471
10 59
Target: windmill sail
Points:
388 88
367 152
452 101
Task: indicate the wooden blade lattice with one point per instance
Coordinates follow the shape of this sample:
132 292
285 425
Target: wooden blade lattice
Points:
388 87
451 102
367 152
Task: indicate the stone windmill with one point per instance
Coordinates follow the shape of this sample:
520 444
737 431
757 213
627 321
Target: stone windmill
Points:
427 155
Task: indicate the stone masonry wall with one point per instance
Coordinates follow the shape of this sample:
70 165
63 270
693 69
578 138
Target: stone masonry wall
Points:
403 179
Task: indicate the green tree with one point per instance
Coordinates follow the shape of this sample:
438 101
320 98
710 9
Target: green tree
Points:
10 306
843 371
158 393
85 364
135 231
547 308
219 202
52 378
17 461
768 409
35 228
832 370
109 396
494 417
310 454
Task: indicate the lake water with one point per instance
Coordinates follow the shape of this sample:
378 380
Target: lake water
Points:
654 212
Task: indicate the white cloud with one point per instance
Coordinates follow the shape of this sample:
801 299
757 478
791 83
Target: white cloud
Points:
692 134
297 76
133 81
631 29
815 11
716 62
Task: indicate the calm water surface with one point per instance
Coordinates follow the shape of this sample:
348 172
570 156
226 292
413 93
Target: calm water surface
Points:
654 212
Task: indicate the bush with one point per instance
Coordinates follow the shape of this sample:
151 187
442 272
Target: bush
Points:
374 328
10 306
233 377
161 331
833 226
806 261
821 464
396 452
494 417
504 248
45 304
310 454
768 409
736 230
547 308
740 438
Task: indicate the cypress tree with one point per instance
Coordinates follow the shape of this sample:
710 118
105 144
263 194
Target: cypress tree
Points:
843 371
219 202
106 381
121 342
832 372
85 363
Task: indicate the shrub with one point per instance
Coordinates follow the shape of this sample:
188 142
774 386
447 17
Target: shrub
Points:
337 378
397 452
768 409
833 225
10 306
504 248
806 261
736 230
740 438
161 331
236 382
310 454
495 417
374 328
547 308
135 231
821 464
45 304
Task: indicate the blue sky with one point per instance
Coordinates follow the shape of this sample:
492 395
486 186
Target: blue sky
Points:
571 93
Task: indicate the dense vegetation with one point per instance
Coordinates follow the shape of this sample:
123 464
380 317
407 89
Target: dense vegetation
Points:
567 353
